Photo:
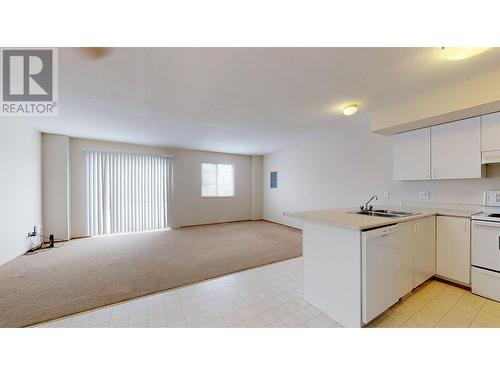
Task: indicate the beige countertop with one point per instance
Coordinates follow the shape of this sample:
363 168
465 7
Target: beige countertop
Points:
343 217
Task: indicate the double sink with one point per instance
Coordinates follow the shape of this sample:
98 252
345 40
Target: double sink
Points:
384 213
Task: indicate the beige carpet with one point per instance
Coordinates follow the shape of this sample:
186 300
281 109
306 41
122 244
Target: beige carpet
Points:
89 273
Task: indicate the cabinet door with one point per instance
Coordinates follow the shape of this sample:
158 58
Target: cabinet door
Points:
456 150
412 155
407 242
425 250
453 248
490 129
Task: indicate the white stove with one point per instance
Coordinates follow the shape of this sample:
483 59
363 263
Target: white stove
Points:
485 248
491 202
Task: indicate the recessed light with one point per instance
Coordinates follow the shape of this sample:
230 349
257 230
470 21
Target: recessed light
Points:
461 53
350 109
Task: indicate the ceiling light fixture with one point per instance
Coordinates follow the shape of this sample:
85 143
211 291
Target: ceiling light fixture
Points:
461 53
350 109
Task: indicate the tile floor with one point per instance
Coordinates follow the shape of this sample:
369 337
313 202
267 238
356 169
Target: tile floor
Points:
436 304
267 296
271 296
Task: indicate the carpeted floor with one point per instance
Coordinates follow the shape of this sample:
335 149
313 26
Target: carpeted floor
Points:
89 273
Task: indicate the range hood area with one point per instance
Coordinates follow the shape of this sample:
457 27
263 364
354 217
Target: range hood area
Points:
490 157
490 138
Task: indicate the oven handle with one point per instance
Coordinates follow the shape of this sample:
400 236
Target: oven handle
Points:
486 224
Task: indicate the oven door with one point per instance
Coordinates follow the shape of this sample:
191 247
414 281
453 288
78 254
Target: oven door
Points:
485 244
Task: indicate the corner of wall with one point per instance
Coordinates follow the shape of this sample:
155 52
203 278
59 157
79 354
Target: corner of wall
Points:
56 185
20 192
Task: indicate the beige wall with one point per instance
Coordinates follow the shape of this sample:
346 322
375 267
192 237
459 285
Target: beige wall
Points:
345 169
462 100
188 208
55 185
257 191
20 185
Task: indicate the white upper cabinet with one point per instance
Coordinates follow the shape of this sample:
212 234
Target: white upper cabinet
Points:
456 150
491 132
412 155
448 151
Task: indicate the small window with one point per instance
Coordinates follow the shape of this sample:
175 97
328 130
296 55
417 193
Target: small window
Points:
217 180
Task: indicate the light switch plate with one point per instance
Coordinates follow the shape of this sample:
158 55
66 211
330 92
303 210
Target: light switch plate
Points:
386 194
424 194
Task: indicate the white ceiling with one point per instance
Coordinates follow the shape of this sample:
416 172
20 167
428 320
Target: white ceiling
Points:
239 100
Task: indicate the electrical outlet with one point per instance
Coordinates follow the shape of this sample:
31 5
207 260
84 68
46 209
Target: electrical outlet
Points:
386 194
32 234
37 230
424 194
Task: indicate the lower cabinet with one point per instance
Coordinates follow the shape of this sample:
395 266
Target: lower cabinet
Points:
417 253
453 248
406 250
424 266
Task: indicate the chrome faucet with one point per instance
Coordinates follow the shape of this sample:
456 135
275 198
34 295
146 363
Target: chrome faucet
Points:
367 207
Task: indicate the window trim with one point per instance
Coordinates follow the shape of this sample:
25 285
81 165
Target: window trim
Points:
216 174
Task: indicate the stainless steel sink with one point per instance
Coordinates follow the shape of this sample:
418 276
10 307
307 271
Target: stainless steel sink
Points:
384 213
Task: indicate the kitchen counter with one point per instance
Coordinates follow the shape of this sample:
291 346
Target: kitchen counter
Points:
343 217
352 271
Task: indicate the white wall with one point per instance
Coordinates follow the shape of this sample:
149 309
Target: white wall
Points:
340 171
188 208
20 185
55 185
346 168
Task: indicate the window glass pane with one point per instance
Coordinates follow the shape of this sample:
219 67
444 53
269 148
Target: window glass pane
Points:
208 179
225 180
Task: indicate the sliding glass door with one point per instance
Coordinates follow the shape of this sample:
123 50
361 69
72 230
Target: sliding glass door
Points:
126 192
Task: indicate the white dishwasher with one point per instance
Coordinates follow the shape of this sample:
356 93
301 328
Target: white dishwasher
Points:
380 270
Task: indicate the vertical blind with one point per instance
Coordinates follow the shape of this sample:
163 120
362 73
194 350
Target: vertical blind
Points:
126 192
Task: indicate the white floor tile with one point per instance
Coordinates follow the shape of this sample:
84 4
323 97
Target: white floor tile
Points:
267 296
268 317
158 322
119 323
175 316
277 324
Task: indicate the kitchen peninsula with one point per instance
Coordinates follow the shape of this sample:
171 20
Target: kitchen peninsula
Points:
357 265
